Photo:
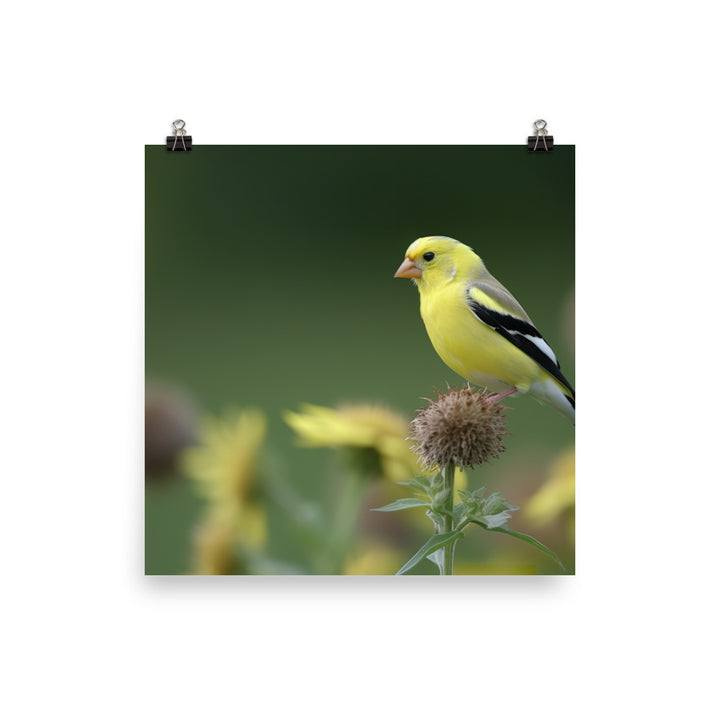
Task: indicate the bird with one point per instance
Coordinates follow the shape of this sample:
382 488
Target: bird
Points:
479 329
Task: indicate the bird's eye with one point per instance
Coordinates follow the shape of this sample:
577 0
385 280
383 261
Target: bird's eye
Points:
428 256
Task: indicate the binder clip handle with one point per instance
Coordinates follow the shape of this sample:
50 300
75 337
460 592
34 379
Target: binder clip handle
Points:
179 131
541 131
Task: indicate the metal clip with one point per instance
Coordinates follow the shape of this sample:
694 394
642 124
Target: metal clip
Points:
540 131
179 130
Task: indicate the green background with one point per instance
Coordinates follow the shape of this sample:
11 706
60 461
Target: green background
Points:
269 283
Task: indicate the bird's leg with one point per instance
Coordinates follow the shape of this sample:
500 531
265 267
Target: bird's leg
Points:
500 396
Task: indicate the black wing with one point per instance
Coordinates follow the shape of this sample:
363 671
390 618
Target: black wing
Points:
519 333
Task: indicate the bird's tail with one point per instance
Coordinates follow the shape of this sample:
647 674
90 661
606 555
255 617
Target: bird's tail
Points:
550 392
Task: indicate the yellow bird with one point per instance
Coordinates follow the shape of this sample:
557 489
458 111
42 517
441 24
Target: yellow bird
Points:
478 328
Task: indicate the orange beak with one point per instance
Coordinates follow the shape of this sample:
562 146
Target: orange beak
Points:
408 269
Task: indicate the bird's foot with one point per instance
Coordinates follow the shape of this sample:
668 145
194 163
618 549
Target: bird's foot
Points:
500 396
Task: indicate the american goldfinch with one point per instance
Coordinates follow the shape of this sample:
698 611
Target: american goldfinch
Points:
478 328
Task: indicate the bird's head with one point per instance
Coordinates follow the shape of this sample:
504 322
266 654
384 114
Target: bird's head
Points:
434 260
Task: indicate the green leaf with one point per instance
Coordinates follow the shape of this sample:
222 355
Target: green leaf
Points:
402 505
528 539
436 558
434 543
459 510
475 496
421 484
493 522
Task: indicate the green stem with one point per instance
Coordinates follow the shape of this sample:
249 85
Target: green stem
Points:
304 515
344 522
447 516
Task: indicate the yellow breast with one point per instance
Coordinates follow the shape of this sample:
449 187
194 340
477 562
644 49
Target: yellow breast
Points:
471 348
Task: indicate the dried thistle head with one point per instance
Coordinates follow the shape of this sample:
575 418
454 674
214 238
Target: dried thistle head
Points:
462 427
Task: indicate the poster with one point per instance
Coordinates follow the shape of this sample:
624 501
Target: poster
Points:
283 359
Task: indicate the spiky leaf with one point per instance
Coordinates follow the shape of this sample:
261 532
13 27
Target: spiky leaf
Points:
525 538
402 504
434 543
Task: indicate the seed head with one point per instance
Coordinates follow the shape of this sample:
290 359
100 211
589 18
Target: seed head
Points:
462 427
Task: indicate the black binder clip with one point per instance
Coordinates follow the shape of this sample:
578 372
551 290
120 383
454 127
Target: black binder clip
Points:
534 144
179 130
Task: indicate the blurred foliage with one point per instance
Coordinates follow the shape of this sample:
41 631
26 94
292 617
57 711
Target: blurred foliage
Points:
269 284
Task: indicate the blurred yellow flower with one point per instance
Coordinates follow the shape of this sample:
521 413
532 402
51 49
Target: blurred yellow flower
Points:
359 426
224 468
374 559
461 483
557 494
214 549
498 567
